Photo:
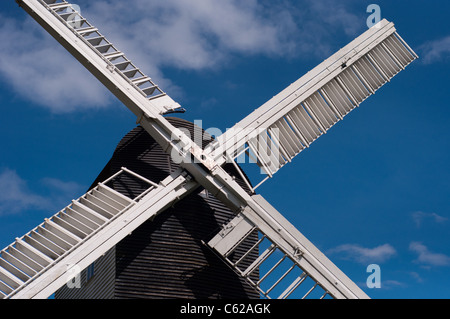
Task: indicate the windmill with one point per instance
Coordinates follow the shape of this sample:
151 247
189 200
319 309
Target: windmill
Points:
35 265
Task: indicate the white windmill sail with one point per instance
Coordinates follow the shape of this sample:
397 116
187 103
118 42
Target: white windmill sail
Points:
289 122
296 112
41 261
288 263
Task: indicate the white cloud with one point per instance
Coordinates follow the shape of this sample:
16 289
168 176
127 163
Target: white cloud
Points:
436 51
428 258
61 192
416 276
337 15
420 217
16 196
41 71
364 255
192 35
189 35
392 284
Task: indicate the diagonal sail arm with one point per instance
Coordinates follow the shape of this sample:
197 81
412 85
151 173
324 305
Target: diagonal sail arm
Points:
289 122
41 261
285 257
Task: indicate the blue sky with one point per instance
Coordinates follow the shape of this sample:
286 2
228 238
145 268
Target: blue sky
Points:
375 189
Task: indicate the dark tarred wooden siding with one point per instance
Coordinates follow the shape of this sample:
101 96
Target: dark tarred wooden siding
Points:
165 257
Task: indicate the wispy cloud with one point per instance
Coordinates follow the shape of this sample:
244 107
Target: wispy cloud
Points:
420 217
416 276
364 255
188 35
436 50
61 192
16 196
392 284
41 71
428 258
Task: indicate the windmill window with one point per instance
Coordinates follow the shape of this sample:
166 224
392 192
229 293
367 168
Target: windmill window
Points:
90 271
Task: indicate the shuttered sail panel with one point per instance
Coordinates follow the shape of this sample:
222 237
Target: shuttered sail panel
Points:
286 125
81 229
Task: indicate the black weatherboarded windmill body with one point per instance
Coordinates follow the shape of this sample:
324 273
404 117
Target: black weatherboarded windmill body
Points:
164 257
200 219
